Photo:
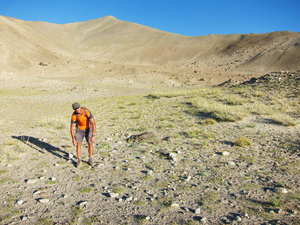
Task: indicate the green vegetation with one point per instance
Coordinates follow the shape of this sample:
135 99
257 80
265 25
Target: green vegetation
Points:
209 121
284 120
45 221
139 203
3 172
243 141
165 202
118 190
86 190
276 201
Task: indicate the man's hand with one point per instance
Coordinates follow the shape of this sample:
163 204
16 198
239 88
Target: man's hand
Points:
93 139
74 142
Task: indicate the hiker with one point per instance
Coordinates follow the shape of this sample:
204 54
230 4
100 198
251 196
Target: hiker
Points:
85 127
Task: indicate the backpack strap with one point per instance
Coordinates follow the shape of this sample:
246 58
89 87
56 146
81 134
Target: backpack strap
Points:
84 114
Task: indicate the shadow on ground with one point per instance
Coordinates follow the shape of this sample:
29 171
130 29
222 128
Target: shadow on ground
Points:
40 146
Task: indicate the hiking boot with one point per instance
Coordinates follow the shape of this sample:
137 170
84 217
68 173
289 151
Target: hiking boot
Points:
78 163
91 162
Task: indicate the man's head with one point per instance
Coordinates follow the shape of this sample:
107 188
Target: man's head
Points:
76 105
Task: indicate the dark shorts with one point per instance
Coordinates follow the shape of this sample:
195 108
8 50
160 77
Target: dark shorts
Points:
83 133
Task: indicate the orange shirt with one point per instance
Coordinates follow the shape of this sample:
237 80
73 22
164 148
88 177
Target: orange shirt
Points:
82 120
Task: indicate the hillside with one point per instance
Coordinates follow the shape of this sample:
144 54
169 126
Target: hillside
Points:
108 47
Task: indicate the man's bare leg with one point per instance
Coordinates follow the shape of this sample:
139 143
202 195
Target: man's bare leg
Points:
91 154
91 150
78 153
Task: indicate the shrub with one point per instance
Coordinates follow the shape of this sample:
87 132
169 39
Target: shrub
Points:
284 120
243 141
209 121
217 110
276 202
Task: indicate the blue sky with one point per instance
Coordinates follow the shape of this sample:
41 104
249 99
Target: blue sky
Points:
186 17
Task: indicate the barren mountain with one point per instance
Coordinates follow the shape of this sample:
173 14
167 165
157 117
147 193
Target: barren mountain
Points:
108 47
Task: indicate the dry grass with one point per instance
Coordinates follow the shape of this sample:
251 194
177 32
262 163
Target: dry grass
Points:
284 120
243 141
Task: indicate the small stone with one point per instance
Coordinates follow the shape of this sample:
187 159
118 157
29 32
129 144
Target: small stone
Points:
281 190
113 195
70 156
231 164
129 199
56 165
148 218
24 218
41 177
238 218
225 153
52 179
20 202
44 200
36 192
278 211
197 211
188 178
203 219
83 203
8 165
175 205
31 181
173 156
149 172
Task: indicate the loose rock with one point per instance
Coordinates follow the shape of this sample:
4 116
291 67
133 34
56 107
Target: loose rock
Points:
82 204
231 164
44 200
31 181
175 205
281 190
225 153
20 202
113 195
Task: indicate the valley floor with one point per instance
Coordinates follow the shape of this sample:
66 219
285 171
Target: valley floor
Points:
223 155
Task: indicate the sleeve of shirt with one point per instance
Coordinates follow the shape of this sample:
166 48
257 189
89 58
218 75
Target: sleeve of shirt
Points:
73 119
89 114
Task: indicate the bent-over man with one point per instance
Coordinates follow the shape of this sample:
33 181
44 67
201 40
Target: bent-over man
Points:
85 128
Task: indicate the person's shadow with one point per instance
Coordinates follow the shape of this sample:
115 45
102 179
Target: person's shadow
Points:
40 146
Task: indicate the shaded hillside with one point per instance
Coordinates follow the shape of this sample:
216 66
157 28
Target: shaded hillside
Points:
25 44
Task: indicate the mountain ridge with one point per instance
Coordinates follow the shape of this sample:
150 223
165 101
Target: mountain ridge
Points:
26 43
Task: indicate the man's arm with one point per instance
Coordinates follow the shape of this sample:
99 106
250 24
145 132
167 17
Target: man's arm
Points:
72 130
92 120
